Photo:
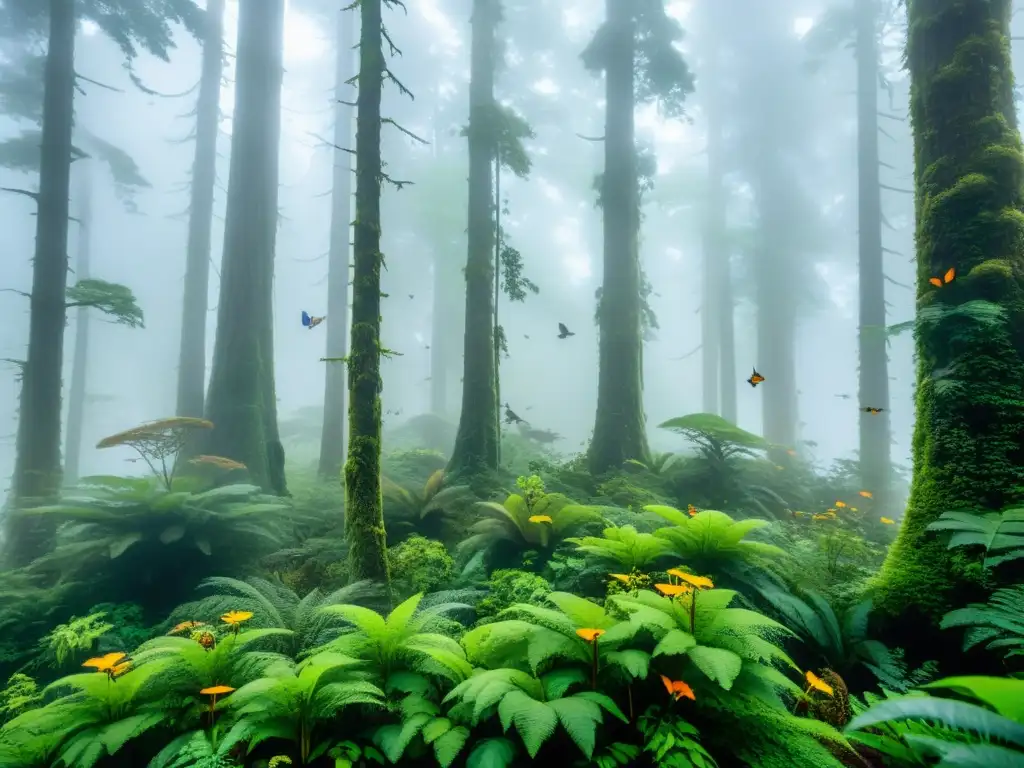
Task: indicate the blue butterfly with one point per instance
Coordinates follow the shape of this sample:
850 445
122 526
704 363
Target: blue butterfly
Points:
311 322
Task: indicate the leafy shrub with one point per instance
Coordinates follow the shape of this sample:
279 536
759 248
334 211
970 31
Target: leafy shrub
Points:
419 565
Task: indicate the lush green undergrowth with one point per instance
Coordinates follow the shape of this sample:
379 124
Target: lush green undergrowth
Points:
646 617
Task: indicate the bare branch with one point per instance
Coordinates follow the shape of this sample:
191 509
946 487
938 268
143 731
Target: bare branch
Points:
96 83
25 192
897 189
590 138
901 285
892 117
20 293
407 132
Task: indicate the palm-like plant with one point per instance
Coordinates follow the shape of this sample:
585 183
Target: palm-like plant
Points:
401 646
518 525
839 644
93 719
712 542
969 722
274 606
718 469
623 549
426 511
131 536
294 706
999 623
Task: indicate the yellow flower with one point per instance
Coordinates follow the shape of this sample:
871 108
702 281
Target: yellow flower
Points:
590 635
623 577
840 504
700 582
886 520
541 519
105 663
234 618
216 690
672 590
853 509
819 517
813 681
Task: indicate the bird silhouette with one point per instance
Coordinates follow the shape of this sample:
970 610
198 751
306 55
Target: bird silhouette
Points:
563 332
511 417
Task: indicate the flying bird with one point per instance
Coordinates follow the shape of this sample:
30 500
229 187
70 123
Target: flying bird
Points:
311 322
563 332
872 410
511 417
755 378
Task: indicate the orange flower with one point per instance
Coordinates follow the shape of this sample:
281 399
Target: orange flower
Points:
866 494
540 519
677 689
216 690
184 626
813 681
623 577
590 635
105 663
672 590
691 510
700 582
234 618
887 521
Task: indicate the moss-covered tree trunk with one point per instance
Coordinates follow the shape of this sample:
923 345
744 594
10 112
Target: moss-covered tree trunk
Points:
969 433
80 356
476 444
364 507
619 428
241 401
874 362
332 436
37 468
192 348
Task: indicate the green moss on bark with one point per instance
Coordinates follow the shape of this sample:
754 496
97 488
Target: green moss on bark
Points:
364 507
968 440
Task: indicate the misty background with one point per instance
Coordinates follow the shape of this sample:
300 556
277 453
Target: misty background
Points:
552 220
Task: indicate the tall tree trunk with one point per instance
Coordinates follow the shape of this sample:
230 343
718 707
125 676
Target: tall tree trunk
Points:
192 349
727 338
619 429
332 438
37 470
80 358
715 253
968 438
476 444
364 507
241 401
874 362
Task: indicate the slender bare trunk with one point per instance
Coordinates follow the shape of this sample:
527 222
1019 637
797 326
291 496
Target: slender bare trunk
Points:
80 357
332 438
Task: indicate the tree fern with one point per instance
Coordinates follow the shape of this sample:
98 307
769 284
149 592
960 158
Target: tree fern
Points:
534 706
294 706
712 542
93 716
426 511
1000 534
399 643
999 623
275 606
623 549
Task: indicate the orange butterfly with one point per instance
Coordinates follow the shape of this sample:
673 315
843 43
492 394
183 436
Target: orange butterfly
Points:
755 378
946 278
871 410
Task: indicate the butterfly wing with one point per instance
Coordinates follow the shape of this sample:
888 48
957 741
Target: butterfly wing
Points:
562 329
935 281
305 319
315 321
950 274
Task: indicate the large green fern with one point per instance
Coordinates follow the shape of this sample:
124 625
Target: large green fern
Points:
999 623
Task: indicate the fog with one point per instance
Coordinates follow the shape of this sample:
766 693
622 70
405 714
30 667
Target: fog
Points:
552 220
